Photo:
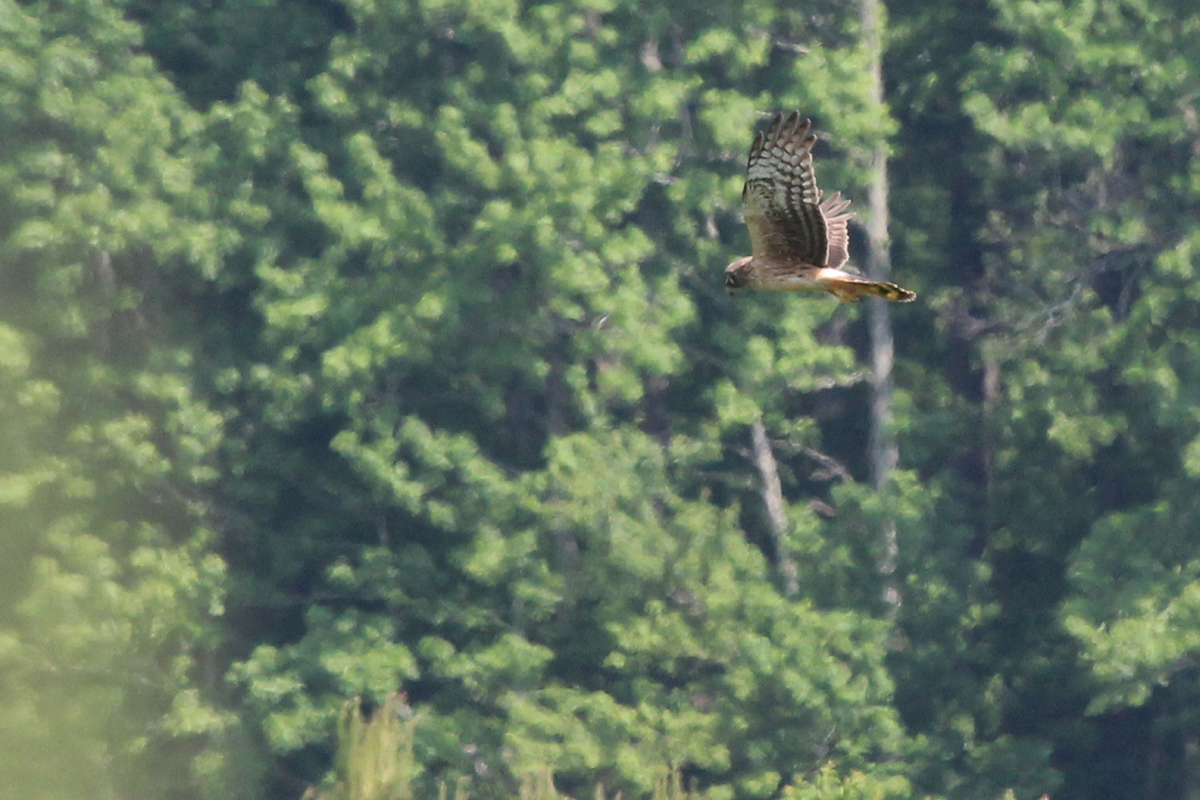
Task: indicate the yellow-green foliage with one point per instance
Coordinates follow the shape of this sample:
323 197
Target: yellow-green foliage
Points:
374 754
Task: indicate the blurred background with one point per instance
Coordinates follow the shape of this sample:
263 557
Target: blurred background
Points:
369 347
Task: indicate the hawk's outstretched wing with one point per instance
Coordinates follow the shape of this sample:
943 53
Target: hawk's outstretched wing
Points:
783 207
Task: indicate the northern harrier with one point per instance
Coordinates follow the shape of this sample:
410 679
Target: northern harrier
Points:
799 241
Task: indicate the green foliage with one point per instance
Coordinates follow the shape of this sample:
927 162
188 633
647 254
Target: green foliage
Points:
356 348
1134 604
112 584
1058 232
494 296
827 784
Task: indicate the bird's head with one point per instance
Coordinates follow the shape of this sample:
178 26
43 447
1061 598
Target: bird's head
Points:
735 274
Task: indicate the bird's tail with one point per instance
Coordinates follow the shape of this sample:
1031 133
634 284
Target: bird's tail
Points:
889 291
849 286
848 291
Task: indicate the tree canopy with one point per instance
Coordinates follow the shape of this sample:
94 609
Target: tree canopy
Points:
351 348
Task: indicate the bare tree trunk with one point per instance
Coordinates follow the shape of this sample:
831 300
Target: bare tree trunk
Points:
884 454
1191 751
556 425
991 390
772 495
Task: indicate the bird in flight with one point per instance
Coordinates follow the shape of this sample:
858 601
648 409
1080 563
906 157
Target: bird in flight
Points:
799 241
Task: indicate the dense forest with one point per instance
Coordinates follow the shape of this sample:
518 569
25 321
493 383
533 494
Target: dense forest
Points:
360 347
